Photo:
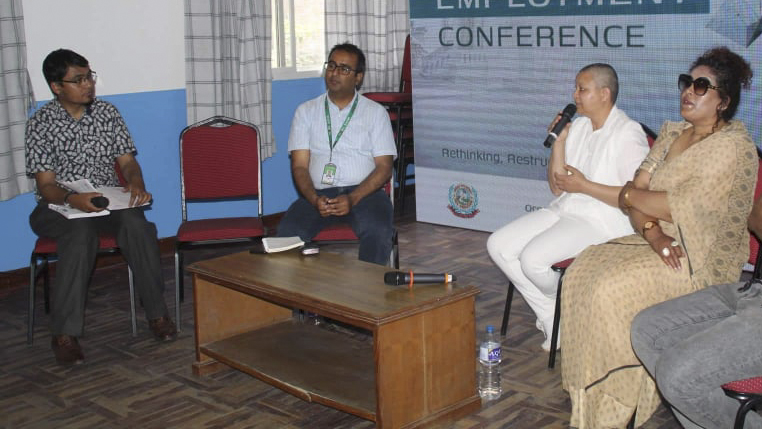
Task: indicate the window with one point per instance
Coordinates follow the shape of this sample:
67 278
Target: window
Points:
298 39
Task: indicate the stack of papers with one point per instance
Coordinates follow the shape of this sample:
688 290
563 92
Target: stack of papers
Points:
281 244
117 199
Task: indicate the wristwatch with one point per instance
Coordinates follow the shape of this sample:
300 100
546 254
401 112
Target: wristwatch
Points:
646 226
66 198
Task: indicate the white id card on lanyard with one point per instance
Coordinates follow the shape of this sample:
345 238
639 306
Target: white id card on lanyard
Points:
329 171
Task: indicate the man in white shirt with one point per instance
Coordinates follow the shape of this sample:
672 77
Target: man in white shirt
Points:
590 161
342 151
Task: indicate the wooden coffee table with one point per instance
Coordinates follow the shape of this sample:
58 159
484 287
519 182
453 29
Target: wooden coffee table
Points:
416 366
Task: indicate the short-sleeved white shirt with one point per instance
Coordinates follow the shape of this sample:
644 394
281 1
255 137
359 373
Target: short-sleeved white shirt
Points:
610 156
367 135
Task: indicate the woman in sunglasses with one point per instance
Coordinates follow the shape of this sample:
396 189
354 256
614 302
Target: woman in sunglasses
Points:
688 204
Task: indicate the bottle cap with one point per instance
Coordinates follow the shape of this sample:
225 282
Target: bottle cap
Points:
490 329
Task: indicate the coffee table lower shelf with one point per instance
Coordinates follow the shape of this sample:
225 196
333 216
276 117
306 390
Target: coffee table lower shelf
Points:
311 362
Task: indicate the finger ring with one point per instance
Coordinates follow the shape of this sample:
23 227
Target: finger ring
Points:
674 243
665 251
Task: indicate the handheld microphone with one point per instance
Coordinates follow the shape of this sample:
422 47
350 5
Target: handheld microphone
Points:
566 116
100 202
398 278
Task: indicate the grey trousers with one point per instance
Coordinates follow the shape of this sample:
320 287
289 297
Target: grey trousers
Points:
693 344
77 241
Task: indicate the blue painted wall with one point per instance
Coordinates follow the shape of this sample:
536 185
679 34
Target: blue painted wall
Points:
155 120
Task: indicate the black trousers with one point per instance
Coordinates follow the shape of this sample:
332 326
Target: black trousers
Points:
77 241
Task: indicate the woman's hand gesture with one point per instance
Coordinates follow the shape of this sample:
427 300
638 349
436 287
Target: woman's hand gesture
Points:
666 247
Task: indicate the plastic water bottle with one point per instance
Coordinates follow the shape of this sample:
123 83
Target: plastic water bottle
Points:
489 365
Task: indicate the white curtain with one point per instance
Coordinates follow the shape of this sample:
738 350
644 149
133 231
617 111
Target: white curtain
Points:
377 27
16 99
227 63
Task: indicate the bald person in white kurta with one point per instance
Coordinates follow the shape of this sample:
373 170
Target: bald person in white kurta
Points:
603 157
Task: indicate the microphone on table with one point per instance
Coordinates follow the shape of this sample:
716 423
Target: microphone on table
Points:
566 116
398 278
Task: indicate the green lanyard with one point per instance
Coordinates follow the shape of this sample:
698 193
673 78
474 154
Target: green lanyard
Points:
331 141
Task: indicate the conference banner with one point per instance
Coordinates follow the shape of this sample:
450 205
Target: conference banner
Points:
490 75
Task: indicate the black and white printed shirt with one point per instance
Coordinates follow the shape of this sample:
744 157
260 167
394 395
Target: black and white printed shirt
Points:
77 149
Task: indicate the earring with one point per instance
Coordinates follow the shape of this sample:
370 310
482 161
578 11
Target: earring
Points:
716 126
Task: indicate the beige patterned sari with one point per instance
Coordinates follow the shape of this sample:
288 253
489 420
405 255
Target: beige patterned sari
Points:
710 188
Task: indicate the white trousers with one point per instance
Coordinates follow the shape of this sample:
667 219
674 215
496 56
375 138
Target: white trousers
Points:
526 248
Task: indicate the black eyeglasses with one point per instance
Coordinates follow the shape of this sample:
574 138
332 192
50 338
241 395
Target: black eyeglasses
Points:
91 76
331 66
700 85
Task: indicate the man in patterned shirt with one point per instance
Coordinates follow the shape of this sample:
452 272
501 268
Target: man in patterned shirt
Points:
76 136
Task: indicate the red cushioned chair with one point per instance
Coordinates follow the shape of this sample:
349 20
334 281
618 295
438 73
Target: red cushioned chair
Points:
559 267
400 108
341 233
219 161
755 258
749 392
405 158
46 249
405 130
650 134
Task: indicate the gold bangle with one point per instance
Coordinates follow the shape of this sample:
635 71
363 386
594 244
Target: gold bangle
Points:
626 198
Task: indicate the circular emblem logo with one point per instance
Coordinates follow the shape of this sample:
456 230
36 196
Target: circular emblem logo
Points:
463 200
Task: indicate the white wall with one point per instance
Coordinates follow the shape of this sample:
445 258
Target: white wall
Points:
137 48
134 45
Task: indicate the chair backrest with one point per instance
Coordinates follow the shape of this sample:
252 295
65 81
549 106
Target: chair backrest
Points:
220 159
755 256
650 134
406 79
389 189
119 175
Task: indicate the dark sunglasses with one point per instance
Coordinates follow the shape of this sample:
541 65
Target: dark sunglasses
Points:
700 85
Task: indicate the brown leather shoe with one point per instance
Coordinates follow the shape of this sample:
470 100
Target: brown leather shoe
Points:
163 329
67 350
